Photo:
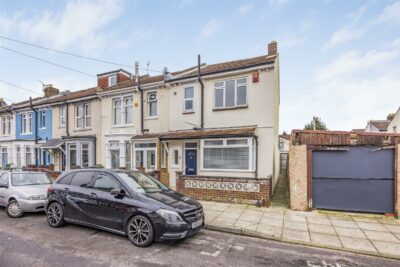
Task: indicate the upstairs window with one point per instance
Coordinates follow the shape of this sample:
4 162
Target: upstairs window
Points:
123 110
26 125
230 93
189 99
9 124
112 80
83 116
152 100
43 119
63 121
3 125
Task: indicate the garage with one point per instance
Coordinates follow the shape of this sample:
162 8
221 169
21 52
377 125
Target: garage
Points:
344 171
357 178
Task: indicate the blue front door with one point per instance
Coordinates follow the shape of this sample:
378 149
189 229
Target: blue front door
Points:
191 161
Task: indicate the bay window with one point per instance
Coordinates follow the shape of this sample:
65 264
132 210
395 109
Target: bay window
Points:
230 93
227 154
145 155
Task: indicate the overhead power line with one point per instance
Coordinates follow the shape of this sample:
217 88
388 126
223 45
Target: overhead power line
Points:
76 55
20 87
49 62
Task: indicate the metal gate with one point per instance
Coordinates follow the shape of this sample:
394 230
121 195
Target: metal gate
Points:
354 179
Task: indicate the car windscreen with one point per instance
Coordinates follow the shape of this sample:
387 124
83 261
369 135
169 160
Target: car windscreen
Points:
142 183
20 179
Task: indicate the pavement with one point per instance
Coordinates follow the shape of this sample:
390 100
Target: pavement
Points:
29 241
361 233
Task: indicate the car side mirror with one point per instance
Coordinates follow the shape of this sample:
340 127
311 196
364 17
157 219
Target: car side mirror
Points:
118 193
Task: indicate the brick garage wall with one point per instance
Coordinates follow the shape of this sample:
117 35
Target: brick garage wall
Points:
297 177
262 197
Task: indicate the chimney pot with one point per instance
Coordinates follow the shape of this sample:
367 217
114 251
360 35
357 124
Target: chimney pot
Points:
272 48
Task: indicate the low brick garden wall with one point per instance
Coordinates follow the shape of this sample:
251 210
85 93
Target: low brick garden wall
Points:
226 189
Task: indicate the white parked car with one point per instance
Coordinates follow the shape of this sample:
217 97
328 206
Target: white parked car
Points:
22 191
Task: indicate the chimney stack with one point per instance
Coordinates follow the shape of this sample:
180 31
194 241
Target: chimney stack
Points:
2 103
49 90
272 48
390 116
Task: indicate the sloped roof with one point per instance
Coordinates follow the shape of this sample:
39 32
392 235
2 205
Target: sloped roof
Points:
381 125
199 134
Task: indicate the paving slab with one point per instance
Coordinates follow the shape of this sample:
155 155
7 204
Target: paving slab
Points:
271 222
272 231
295 235
381 236
387 248
319 220
325 239
295 225
344 223
295 218
350 232
321 228
372 226
393 228
357 244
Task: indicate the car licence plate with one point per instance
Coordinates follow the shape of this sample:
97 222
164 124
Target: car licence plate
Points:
197 223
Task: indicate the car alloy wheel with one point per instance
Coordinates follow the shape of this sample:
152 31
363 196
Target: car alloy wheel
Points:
140 231
14 210
55 215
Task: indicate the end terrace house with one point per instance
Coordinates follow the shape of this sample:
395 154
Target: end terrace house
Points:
210 131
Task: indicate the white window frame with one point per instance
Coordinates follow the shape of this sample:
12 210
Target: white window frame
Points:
151 101
84 116
26 155
63 117
43 119
110 79
9 118
223 88
145 149
122 110
185 99
3 126
26 125
250 145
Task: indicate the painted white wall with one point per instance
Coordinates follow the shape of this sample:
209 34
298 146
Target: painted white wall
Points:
394 126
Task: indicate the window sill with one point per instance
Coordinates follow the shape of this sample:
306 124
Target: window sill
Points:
151 118
122 126
226 170
43 128
230 108
82 129
26 133
188 112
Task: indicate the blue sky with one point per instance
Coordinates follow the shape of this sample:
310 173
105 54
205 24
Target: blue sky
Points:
339 59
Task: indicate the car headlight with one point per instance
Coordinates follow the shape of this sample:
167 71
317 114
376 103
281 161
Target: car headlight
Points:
170 215
38 197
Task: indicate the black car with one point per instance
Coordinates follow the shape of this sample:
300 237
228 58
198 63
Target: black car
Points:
126 203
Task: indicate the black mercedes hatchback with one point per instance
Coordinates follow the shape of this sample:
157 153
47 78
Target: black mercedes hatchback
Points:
126 203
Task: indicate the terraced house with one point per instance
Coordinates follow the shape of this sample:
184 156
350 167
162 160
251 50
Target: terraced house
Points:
210 131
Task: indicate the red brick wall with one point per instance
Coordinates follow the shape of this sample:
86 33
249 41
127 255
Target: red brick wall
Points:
102 82
262 197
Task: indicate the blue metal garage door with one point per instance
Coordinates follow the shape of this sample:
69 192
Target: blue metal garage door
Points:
357 179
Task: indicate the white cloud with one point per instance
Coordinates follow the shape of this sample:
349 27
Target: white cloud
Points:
390 13
344 35
288 39
211 27
395 43
78 23
184 3
354 62
278 3
245 8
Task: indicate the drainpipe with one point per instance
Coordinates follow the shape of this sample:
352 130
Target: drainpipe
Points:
36 129
202 93
256 171
67 119
137 77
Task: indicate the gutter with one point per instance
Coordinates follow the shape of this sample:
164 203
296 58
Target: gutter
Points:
256 167
66 119
141 105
